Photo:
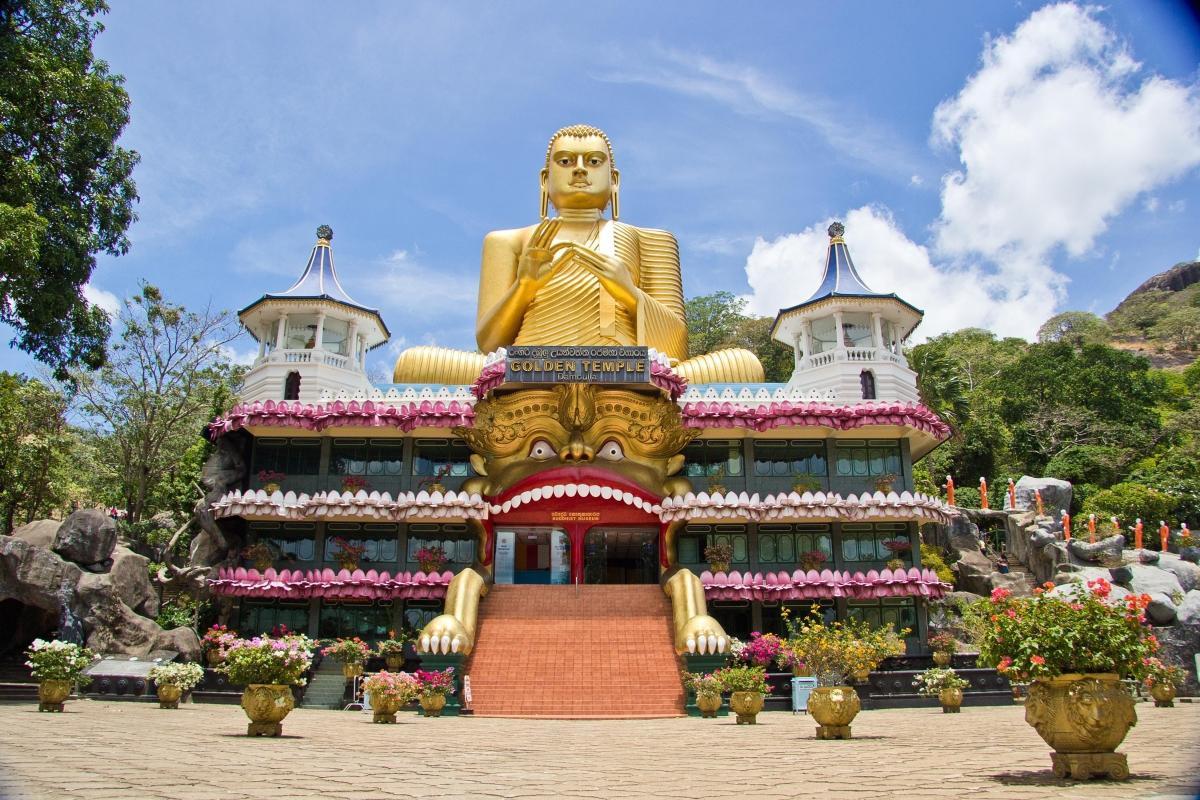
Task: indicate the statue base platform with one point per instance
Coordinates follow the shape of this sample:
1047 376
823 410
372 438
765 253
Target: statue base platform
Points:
1082 766
264 729
833 731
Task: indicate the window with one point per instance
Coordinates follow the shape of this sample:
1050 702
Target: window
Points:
382 459
335 336
291 457
290 543
301 332
707 458
867 379
856 330
381 543
366 620
261 617
824 335
870 458
789 458
457 541
788 545
419 613
900 612
697 537
862 541
291 386
772 614
445 457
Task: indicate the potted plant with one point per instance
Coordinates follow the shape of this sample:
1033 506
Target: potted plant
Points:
392 652
216 642
350 653
790 658
813 560
715 477
762 650
259 555
1074 650
871 646
433 687
1162 680
944 646
884 482
270 480
268 668
389 691
434 482
348 553
718 555
944 684
707 689
900 550
58 666
353 484
431 558
173 680
748 689
806 482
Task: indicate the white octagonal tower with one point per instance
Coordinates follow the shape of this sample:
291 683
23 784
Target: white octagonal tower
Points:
848 338
312 337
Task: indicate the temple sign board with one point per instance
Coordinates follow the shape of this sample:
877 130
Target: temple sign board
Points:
578 364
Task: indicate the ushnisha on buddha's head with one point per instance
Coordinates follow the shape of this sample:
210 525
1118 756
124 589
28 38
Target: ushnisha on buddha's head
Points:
579 171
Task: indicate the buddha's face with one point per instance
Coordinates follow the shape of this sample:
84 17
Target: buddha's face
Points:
580 173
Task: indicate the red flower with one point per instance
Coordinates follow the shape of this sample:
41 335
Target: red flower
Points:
1037 660
1000 593
1100 587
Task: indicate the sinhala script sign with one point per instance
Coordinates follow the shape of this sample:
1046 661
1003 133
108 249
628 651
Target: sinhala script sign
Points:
577 364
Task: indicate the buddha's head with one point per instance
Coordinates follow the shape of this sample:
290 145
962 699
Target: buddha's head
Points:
577 434
579 171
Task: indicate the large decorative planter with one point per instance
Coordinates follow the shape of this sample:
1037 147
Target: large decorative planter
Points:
168 695
862 676
351 670
718 566
951 700
51 695
1084 718
384 709
746 705
833 708
266 704
432 705
709 704
394 663
942 658
429 567
1163 694
215 658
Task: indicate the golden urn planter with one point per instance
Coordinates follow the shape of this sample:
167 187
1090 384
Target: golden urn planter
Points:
951 700
433 704
718 566
708 705
215 657
168 695
1163 694
1084 718
833 708
430 567
942 658
266 704
746 705
351 670
52 694
384 709
862 675
394 663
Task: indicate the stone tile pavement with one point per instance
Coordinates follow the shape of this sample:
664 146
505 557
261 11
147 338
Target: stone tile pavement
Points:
133 750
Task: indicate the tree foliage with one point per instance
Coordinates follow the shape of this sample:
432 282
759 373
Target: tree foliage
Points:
66 188
716 321
36 451
1075 327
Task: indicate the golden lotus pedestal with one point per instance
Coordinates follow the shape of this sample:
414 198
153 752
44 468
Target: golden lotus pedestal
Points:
746 705
383 709
1084 718
833 708
52 694
1164 696
168 695
266 704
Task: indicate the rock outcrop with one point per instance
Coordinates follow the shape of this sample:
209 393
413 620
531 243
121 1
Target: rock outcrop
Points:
1056 495
87 538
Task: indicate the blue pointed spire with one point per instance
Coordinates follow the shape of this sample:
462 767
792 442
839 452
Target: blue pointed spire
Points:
840 278
319 280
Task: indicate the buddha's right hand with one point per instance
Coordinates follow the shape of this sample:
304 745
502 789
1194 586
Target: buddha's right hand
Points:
535 266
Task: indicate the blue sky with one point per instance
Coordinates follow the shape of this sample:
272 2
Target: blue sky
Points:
994 162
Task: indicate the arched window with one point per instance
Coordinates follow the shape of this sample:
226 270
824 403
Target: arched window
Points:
867 379
291 387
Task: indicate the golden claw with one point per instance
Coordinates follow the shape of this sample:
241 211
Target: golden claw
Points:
695 630
454 631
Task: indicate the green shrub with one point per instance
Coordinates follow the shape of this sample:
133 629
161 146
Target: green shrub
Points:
931 558
1088 463
182 612
1129 501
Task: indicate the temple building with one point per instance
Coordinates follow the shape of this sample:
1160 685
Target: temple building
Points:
581 472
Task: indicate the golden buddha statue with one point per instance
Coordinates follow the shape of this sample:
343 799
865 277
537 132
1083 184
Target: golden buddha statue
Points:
579 279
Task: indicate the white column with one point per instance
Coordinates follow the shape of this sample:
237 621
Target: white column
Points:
352 343
806 339
362 353
877 330
281 333
839 334
318 337
262 340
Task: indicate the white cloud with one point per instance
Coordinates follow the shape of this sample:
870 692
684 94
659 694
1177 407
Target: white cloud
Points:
1150 204
283 252
104 299
243 357
403 282
1056 136
787 270
1177 206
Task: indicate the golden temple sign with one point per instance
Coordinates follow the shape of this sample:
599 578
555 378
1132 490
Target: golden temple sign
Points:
577 364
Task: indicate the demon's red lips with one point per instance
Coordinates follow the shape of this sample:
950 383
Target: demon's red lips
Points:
575 482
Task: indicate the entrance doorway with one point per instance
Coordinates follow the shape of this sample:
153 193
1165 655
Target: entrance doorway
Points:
533 555
620 555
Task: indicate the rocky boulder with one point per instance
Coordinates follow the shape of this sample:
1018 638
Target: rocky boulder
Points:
1161 609
40 532
87 537
1149 580
1056 495
130 576
1188 612
34 575
114 627
1102 552
1188 574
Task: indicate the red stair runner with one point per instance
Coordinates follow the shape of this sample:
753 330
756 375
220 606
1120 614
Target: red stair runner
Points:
575 652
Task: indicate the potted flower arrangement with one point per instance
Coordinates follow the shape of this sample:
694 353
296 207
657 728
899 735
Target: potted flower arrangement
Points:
433 687
348 553
718 555
434 482
707 689
268 668
748 689
270 480
813 560
944 646
389 691
173 680
870 647
944 684
431 558
259 555
1162 680
216 642
806 482
883 483
762 650
392 651
1074 650
899 548
354 484
715 477
58 666
350 653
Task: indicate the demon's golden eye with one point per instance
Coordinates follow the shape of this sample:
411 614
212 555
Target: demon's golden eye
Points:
611 451
542 450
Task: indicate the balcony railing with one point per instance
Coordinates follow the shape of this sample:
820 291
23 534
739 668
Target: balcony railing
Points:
309 356
854 354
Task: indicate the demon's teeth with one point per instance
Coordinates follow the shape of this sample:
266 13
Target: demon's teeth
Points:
594 491
535 493
559 490
570 490
606 492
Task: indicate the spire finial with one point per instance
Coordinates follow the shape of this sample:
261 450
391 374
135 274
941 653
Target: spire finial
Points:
326 233
836 230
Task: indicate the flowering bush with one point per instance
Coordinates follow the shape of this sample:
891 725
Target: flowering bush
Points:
813 559
1044 636
701 684
57 660
431 558
743 679
348 553
399 686
1159 673
266 660
833 651
218 638
391 647
933 680
762 650
718 553
898 546
943 642
354 483
270 476
432 684
348 651
185 676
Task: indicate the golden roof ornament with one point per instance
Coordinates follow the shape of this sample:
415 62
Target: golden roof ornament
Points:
836 231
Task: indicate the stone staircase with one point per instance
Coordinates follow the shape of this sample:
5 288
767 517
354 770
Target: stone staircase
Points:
566 652
326 687
16 683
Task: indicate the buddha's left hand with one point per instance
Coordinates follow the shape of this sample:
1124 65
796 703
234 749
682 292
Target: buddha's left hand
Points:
613 275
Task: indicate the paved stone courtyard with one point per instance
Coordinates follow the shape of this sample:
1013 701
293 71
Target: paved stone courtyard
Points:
135 750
